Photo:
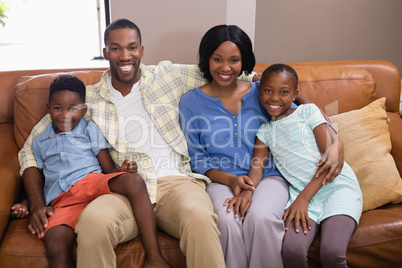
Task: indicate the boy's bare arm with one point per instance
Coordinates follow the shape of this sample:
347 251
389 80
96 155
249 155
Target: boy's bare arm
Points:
107 164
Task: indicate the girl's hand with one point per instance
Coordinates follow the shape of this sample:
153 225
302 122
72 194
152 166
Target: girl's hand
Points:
240 203
129 166
241 183
331 161
298 211
19 211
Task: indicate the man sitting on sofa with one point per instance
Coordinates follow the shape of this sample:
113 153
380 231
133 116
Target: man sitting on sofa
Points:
142 102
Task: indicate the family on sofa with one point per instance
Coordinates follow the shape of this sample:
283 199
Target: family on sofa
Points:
202 201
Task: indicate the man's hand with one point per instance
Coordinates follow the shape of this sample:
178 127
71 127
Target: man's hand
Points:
129 166
38 221
256 78
240 203
241 183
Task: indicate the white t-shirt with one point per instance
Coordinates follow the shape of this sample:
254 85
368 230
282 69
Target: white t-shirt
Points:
137 129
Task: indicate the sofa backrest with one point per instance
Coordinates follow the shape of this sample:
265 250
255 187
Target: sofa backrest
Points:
336 89
385 74
31 97
8 83
335 86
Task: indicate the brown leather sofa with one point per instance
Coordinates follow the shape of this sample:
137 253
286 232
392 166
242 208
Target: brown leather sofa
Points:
377 242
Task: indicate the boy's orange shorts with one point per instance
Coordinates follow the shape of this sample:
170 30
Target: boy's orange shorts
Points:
68 206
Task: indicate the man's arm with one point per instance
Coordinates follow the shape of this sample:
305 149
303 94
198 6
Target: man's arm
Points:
33 184
300 99
32 178
26 157
256 78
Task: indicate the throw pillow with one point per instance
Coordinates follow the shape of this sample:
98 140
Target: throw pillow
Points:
367 143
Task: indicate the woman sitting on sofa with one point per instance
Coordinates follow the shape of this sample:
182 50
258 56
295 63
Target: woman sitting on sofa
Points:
220 121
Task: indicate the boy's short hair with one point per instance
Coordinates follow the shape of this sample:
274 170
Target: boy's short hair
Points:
67 82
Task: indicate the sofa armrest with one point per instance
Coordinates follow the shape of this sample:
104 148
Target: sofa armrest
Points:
395 130
10 182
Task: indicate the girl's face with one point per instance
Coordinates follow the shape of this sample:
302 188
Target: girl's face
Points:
225 64
278 91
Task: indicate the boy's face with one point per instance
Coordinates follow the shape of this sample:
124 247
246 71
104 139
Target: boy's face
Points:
66 109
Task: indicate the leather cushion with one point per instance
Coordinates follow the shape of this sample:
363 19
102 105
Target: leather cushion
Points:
31 96
377 241
19 248
336 89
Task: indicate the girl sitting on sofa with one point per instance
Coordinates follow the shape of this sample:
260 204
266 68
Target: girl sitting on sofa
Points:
297 137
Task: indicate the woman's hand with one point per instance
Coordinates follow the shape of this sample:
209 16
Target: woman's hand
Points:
332 160
298 211
240 203
240 183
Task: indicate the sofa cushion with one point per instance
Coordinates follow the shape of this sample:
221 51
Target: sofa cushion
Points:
367 143
31 96
395 129
19 248
376 242
9 168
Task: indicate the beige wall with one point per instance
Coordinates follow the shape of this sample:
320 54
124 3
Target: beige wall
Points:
282 31
325 30
172 30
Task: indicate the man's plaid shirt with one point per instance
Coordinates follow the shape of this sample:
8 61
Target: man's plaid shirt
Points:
162 86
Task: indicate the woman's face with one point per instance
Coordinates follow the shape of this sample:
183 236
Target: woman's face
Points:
225 64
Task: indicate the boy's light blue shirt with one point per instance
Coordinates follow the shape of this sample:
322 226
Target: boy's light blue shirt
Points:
68 157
